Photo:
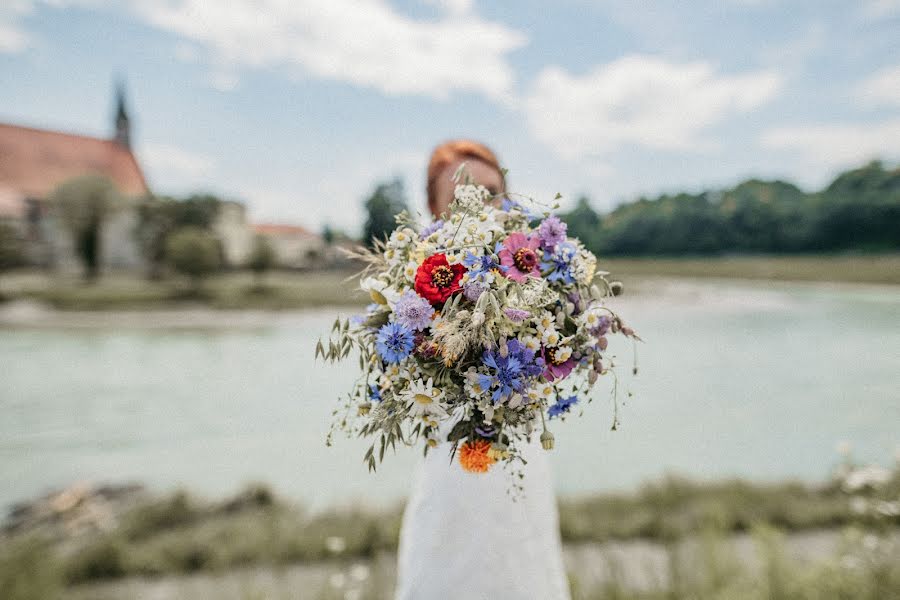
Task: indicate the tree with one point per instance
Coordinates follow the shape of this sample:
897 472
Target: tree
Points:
385 203
159 216
11 251
194 252
84 203
262 257
328 235
584 223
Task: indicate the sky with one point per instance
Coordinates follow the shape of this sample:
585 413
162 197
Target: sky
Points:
300 107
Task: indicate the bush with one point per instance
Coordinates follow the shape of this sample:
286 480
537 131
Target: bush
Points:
262 258
11 251
29 571
84 203
194 252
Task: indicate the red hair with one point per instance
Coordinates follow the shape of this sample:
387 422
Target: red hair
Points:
450 152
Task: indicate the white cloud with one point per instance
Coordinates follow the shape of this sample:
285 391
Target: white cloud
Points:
454 7
639 100
837 145
363 42
173 167
12 37
880 9
881 89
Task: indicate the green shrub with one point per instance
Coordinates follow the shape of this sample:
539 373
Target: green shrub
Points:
194 252
29 571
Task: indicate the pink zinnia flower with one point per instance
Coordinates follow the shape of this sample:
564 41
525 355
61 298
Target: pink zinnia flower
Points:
520 257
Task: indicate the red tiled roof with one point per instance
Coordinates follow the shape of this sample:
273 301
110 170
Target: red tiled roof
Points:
279 229
35 161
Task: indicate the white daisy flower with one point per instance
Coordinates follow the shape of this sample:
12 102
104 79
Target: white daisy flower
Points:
424 399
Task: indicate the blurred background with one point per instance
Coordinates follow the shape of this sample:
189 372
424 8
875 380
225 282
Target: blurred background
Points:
178 179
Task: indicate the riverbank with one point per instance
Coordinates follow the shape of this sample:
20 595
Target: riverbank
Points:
293 290
125 542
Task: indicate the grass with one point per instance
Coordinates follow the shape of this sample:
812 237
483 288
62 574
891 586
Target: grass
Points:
855 268
181 534
239 290
866 567
292 290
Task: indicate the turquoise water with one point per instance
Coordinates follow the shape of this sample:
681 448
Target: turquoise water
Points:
758 380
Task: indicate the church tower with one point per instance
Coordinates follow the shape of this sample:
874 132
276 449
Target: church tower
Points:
123 123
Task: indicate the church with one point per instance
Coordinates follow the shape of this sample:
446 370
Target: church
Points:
34 162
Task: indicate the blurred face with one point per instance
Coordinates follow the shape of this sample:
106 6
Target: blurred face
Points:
483 174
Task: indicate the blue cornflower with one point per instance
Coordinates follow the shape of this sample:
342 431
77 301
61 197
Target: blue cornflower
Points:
394 342
374 393
481 264
480 274
562 406
510 373
558 264
507 204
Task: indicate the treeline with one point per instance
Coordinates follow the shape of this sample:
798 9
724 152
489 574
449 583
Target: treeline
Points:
859 210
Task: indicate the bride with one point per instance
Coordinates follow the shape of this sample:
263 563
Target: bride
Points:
463 536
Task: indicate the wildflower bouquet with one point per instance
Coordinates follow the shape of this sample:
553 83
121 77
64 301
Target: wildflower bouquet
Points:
489 321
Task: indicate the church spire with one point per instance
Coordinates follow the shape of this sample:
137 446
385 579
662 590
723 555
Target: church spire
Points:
122 122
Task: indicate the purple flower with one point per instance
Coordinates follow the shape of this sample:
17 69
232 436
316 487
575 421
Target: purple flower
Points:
603 324
562 406
474 287
486 431
431 228
516 315
413 311
552 231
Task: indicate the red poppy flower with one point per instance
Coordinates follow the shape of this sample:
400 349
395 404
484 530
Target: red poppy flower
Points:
437 280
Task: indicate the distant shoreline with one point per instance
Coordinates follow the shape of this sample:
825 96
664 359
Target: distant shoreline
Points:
290 291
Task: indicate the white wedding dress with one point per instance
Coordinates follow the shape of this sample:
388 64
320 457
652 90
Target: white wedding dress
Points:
463 536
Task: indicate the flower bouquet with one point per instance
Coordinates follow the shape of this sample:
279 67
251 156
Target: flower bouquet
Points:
484 325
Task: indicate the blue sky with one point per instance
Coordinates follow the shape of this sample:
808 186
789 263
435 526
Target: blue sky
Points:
299 107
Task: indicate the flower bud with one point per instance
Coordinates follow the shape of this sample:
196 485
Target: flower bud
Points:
498 451
547 440
364 408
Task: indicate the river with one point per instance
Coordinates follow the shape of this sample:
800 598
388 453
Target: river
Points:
752 379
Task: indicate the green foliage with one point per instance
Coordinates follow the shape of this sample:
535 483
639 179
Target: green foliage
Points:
11 250
83 204
29 570
160 216
386 202
859 210
262 257
194 252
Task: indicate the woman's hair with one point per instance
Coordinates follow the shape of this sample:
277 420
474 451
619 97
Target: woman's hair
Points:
450 152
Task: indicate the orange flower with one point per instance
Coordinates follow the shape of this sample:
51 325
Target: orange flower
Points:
473 456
